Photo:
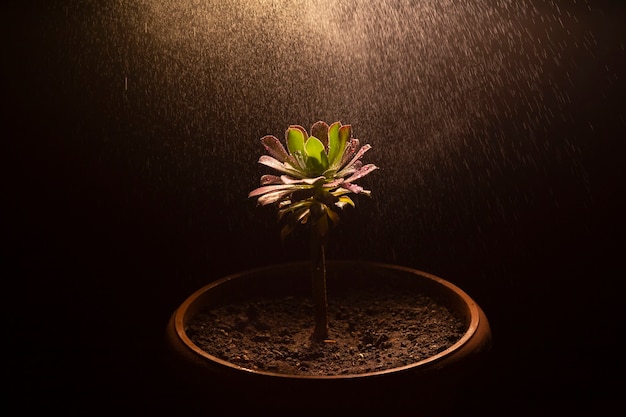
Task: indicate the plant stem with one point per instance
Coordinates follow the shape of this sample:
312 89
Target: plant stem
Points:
318 276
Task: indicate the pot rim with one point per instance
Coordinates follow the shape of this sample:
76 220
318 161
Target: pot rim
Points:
474 321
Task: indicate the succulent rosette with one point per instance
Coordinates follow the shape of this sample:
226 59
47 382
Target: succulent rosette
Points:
317 174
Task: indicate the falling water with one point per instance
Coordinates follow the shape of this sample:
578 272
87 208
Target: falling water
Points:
472 109
498 126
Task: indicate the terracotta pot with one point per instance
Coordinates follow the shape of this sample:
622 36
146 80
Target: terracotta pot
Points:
428 384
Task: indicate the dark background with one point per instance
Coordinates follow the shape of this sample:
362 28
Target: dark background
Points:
132 132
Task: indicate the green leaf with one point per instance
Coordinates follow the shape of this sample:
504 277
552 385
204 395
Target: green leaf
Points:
296 136
345 200
300 158
338 136
345 132
333 143
317 160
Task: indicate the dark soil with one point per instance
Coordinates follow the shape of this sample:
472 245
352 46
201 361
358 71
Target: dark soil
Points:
369 331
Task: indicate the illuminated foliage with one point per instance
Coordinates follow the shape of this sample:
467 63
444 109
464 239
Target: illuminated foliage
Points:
317 174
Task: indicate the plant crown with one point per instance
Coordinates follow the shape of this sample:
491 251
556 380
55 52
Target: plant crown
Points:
317 173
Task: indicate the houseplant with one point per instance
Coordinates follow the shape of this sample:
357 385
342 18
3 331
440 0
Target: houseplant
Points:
318 173
317 177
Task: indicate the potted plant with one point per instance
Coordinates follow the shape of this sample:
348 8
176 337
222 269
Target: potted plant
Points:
207 332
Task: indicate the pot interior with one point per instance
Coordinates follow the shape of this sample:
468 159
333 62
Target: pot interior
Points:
342 276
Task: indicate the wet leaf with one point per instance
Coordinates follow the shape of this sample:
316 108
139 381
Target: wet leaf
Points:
361 172
278 166
268 179
275 148
320 131
296 137
334 147
358 156
317 173
317 161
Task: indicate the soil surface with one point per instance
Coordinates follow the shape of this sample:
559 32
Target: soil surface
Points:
369 331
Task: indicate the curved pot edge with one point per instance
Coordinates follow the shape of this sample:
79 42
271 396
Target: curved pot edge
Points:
474 344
